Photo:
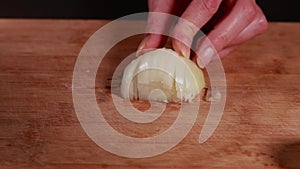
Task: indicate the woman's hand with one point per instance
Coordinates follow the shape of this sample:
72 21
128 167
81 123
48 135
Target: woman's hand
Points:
229 23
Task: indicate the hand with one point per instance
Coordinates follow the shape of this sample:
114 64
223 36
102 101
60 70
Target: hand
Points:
230 23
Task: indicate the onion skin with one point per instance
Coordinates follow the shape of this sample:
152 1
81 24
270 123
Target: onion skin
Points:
178 78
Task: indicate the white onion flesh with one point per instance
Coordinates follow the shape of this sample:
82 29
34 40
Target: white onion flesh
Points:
178 78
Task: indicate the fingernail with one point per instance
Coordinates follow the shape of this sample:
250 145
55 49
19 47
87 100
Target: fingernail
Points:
205 57
185 51
142 46
181 49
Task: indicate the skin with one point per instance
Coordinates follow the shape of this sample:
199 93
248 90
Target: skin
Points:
227 23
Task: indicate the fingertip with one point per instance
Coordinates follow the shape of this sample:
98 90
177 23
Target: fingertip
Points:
205 53
181 48
151 42
141 47
200 63
183 34
205 56
226 51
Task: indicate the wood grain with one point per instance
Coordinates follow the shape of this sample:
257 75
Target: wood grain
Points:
260 127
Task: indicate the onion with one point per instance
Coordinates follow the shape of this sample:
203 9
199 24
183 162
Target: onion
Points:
162 75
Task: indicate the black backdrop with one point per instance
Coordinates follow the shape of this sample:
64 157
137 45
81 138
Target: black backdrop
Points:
275 10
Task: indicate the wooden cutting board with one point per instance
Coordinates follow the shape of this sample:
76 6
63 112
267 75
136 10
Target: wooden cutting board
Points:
39 128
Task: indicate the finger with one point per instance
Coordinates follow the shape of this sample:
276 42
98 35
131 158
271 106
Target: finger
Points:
226 51
194 17
258 26
229 28
222 53
159 23
151 42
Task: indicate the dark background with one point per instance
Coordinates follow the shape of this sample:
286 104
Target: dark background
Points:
275 10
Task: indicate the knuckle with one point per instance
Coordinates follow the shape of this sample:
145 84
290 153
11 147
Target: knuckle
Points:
190 28
185 28
222 40
210 6
249 12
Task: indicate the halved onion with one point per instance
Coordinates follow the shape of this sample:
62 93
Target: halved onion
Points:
162 75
